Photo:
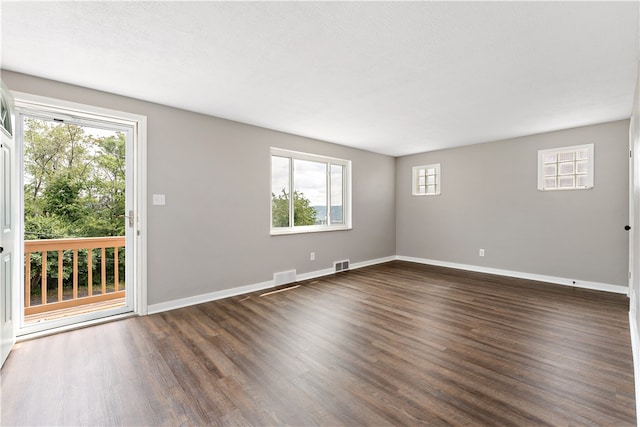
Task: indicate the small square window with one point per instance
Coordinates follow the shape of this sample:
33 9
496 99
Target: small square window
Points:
566 168
426 180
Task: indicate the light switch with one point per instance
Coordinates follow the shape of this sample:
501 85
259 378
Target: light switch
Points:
158 199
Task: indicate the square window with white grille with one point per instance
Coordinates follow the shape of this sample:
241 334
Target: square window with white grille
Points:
566 168
426 180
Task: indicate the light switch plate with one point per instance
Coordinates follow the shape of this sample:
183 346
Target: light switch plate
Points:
158 199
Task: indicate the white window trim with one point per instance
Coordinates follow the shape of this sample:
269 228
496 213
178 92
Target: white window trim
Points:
415 177
590 166
346 192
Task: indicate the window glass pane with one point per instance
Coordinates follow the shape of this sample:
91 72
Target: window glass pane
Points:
550 182
582 167
8 174
567 181
421 172
280 191
310 193
581 180
431 171
566 156
550 170
422 180
431 179
566 168
549 158
582 154
431 189
337 198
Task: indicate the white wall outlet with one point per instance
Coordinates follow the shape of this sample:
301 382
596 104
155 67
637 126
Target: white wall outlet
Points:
312 257
481 252
158 199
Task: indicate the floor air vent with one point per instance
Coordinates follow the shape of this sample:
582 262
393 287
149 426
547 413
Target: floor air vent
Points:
341 265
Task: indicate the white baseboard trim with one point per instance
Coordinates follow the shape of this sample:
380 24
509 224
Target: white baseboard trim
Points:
226 293
314 274
211 296
530 276
372 262
635 342
355 265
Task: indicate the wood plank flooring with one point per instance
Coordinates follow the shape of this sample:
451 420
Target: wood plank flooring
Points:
392 344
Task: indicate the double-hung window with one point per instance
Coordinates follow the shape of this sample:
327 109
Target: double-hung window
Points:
309 192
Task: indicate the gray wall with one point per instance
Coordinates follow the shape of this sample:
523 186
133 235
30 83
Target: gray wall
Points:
213 233
490 200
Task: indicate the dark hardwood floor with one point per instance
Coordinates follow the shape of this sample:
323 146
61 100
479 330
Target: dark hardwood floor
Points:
393 344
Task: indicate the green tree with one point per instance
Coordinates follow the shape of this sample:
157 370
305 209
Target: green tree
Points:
74 181
74 187
106 188
303 212
61 199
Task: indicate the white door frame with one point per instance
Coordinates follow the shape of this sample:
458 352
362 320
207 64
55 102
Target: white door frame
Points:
634 237
632 220
9 231
29 104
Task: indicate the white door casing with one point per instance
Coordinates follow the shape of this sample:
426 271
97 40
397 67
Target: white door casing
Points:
8 226
134 127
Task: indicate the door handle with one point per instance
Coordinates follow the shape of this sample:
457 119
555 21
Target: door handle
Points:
130 217
627 227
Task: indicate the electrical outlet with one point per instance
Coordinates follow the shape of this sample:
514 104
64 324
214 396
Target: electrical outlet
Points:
312 257
481 252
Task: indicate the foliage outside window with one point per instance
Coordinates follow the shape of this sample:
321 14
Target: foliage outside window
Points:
566 168
309 192
426 180
74 186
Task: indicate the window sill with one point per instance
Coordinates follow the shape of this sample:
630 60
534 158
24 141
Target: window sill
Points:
309 229
564 189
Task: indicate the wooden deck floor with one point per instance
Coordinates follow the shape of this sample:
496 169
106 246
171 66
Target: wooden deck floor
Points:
392 344
74 311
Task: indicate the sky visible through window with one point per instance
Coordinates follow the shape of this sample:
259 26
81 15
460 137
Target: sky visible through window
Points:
309 190
309 178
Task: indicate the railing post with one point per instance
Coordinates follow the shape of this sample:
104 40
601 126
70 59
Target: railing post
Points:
27 279
75 274
115 269
104 270
60 276
43 287
90 271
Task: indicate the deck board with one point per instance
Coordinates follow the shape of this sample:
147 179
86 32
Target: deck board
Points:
74 311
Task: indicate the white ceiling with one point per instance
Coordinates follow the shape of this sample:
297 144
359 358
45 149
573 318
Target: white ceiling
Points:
391 77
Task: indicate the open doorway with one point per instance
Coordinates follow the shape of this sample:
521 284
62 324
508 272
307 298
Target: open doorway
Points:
81 207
